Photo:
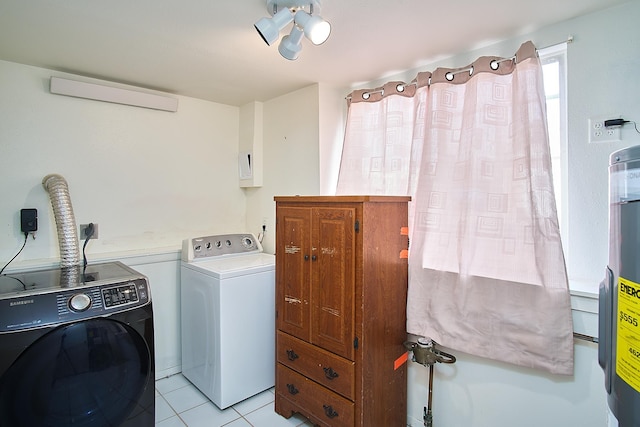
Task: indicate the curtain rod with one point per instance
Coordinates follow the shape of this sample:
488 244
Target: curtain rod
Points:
450 75
496 62
567 41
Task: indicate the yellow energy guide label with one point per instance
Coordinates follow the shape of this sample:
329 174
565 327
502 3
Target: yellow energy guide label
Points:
628 333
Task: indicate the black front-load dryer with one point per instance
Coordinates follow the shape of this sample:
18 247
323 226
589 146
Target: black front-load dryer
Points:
76 348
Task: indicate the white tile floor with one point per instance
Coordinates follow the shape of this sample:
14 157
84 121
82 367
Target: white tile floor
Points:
179 403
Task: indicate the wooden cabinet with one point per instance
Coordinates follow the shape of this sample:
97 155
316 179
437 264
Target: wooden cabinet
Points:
341 289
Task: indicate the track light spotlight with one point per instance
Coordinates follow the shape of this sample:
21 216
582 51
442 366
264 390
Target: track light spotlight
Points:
315 28
291 45
269 28
305 23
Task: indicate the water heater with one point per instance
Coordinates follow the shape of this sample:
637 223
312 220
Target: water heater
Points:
619 311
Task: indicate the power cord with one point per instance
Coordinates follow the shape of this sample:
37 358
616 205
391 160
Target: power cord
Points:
261 235
619 122
16 255
88 232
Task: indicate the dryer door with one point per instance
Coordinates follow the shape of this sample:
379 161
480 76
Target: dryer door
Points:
90 373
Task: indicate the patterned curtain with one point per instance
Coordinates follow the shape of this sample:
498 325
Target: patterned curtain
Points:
486 268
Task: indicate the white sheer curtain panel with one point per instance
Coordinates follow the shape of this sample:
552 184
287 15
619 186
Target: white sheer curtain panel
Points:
486 268
378 156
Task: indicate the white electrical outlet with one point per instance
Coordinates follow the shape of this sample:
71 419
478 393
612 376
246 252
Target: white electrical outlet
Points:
599 133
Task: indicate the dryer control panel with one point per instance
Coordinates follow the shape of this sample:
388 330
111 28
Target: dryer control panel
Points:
219 245
60 306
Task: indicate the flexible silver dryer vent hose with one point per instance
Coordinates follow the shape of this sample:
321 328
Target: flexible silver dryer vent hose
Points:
58 191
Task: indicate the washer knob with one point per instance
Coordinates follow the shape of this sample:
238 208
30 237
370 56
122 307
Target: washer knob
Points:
247 242
79 302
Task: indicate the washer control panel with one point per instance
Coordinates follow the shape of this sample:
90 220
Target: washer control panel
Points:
79 302
120 295
72 304
219 245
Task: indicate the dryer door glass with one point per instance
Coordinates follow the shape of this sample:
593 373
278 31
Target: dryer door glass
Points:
90 373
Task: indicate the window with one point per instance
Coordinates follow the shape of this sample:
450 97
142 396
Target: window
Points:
554 71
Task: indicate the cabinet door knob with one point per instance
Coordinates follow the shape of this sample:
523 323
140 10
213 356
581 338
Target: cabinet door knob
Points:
291 355
330 373
292 389
306 257
329 412
314 257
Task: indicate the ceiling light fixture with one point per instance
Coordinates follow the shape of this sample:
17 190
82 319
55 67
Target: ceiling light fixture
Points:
300 12
291 45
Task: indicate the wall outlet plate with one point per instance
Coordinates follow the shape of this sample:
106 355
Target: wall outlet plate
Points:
599 133
83 231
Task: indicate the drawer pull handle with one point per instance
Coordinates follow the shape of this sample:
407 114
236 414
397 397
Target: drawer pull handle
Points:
292 389
329 412
291 355
330 373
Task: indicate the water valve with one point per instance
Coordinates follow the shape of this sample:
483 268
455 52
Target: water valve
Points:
425 352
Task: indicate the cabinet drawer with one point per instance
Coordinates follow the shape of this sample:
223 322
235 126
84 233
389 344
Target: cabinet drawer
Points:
324 367
315 400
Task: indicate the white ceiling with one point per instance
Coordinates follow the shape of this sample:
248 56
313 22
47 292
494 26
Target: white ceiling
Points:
209 49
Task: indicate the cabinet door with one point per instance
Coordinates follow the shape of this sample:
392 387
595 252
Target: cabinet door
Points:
293 266
333 279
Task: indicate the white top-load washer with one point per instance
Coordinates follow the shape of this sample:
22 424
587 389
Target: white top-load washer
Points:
228 317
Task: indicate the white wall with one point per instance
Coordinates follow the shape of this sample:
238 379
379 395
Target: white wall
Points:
291 157
602 79
148 178
302 130
333 113
603 68
474 392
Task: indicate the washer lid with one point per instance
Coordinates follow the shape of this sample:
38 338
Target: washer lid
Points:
226 267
